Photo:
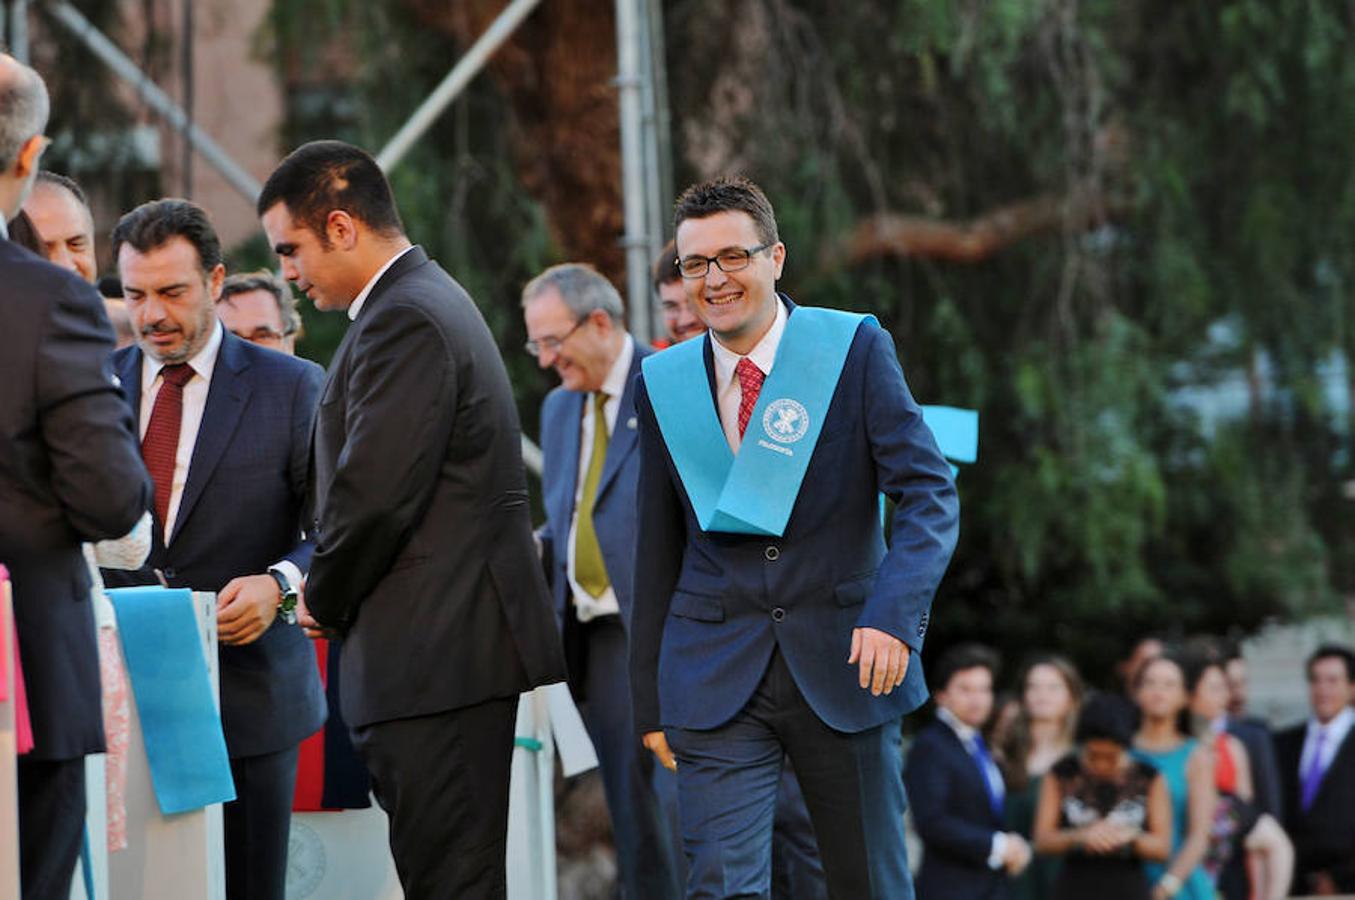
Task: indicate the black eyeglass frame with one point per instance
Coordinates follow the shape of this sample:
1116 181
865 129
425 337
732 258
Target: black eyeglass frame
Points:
747 260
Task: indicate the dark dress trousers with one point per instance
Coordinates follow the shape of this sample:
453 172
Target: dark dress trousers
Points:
954 818
1324 835
740 643
425 563
70 471
240 513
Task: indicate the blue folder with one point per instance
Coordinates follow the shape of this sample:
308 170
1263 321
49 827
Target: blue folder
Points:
180 721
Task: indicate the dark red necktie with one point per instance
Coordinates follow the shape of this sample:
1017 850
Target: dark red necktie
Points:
750 385
161 444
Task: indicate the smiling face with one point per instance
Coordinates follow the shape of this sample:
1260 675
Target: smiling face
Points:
738 306
169 298
1329 687
319 271
66 227
583 355
678 319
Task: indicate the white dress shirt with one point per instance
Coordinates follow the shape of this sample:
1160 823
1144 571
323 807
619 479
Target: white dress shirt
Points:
728 393
966 734
356 306
1336 731
586 605
203 364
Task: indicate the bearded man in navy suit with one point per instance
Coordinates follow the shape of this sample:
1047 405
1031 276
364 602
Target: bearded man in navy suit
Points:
772 620
228 511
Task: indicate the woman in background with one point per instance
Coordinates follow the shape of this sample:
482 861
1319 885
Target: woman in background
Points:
1164 741
1040 733
1237 826
1103 812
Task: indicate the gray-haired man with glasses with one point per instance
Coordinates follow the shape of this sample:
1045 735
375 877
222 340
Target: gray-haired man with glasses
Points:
588 442
259 307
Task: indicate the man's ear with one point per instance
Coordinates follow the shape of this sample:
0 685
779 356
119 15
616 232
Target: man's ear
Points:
215 279
30 154
341 229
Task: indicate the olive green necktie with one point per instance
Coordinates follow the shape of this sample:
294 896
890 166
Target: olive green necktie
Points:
589 570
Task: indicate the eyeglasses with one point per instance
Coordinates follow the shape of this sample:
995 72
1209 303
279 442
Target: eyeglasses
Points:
553 344
731 260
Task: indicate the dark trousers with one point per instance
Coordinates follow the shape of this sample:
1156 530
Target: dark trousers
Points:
797 871
51 825
641 795
257 825
443 780
728 779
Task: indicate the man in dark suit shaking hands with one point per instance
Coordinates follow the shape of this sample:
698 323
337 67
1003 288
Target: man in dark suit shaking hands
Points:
69 472
424 560
771 619
225 429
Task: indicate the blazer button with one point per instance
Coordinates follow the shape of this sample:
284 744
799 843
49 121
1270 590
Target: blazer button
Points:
772 553
168 573
778 614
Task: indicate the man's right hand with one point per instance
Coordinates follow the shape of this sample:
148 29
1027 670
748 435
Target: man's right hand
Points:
656 743
1017 855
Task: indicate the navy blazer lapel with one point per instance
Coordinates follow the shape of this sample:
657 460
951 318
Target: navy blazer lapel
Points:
129 374
624 437
226 398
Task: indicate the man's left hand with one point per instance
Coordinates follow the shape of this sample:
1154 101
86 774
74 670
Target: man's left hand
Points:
881 657
245 608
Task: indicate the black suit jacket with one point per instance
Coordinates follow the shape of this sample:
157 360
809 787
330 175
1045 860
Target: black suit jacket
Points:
241 512
1324 836
424 556
70 471
953 817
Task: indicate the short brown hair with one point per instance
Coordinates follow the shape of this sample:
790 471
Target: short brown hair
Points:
665 269
728 193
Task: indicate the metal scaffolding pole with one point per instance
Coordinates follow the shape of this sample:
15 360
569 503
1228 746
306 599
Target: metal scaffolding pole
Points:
123 67
630 82
18 30
466 68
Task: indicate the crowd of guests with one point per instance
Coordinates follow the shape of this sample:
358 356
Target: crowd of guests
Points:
1163 788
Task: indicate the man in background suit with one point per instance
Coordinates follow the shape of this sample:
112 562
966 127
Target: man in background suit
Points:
575 325
957 790
69 472
1317 770
225 433
424 559
756 641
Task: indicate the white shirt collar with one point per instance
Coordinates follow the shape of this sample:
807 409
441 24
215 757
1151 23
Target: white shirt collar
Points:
356 306
203 362
614 385
965 732
1336 729
762 355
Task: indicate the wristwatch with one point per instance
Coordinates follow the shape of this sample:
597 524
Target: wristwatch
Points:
287 602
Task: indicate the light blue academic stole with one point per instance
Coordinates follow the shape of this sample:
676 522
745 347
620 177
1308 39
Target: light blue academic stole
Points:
754 491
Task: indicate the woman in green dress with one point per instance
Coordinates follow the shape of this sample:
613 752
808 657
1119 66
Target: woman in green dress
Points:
1041 732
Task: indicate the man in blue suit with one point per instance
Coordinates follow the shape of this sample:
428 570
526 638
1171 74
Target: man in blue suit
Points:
225 428
772 620
588 442
956 788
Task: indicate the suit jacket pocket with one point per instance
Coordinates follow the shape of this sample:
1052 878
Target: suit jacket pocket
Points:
854 590
696 606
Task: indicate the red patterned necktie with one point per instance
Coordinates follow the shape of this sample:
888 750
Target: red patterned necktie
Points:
750 385
160 446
